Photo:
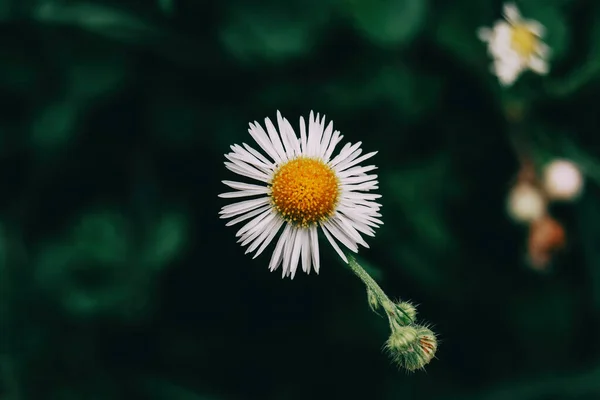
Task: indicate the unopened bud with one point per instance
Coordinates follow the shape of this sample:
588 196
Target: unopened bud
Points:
427 346
526 203
546 236
417 350
407 313
562 180
373 301
401 340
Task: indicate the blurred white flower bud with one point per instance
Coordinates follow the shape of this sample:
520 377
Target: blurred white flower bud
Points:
562 180
526 203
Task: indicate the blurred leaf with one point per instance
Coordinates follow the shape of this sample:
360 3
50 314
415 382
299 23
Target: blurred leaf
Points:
175 122
90 273
584 74
280 32
6 10
18 72
552 306
405 89
55 124
588 214
415 194
532 4
111 22
95 76
388 22
421 265
102 236
167 6
456 31
420 201
167 240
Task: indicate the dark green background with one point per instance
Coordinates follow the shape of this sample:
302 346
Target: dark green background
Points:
119 281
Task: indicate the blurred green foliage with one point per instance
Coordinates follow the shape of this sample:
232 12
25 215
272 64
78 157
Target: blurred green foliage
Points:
118 280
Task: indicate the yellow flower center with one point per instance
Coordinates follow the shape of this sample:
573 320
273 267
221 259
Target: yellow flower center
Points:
305 191
523 40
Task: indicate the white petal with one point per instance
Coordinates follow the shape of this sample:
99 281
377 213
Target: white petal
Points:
243 193
345 224
356 171
536 27
242 154
348 159
340 235
511 13
305 237
337 137
507 72
295 258
274 229
315 133
484 34
295 142
345 153
243 186
543 50
288 248
538 65
231 210
360 196
285 137
259 156
314 247
359 226
274 136
255 228
249 226
261 138
361 186
303 135
256 233
247 215
358 179
325 140
247 171
269 229
276 258
501 40
334 245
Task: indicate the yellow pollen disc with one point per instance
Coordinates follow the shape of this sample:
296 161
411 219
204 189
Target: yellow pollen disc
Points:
305 191
523 40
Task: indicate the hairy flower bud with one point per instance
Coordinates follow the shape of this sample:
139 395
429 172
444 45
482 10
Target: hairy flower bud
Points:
401 339
412 347
407 313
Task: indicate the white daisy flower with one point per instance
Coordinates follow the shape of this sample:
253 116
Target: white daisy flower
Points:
515 44
303 187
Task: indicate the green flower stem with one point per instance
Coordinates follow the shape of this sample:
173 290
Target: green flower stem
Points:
370 283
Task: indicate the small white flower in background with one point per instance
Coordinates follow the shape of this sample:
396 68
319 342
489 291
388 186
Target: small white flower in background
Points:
303 186
515 45
526 203
562 180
